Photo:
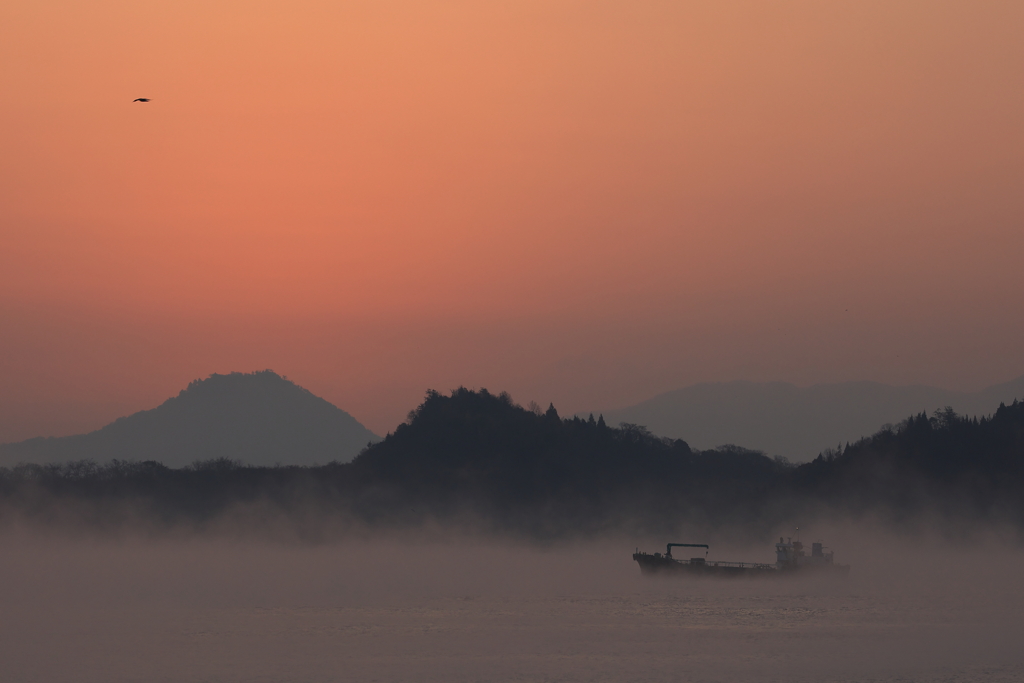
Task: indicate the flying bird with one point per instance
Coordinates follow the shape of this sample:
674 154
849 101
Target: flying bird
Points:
141 99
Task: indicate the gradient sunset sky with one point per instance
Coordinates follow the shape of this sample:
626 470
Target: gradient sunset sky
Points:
579 202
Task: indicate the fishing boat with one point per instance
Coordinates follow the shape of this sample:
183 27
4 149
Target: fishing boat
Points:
790 558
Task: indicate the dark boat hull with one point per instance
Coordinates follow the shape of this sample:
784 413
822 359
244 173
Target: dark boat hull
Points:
660 565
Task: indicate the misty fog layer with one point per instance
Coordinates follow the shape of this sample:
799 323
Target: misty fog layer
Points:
200 609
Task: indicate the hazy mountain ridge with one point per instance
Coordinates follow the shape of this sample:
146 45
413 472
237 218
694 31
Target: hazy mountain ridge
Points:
258 418
782 419
479 459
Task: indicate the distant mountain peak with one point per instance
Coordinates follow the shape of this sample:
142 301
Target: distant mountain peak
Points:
258 418
232 379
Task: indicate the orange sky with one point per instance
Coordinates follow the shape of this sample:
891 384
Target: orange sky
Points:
579 202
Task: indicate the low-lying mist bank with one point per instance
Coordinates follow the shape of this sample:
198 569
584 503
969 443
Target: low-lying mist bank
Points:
476 462
306 506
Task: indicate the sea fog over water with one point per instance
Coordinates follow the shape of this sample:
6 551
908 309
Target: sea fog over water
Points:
217 608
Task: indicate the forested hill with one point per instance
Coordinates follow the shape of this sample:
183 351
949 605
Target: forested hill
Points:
479 453
477 457
481 447
961 465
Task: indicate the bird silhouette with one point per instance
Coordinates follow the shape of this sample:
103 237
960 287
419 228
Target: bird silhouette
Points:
141 99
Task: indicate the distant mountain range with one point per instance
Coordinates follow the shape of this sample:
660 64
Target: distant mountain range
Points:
257 418
262 418
476 461
798 423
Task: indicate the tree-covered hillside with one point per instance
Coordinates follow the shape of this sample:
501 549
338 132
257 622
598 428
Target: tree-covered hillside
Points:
956 465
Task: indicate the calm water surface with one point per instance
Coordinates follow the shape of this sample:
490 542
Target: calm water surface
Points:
230 611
